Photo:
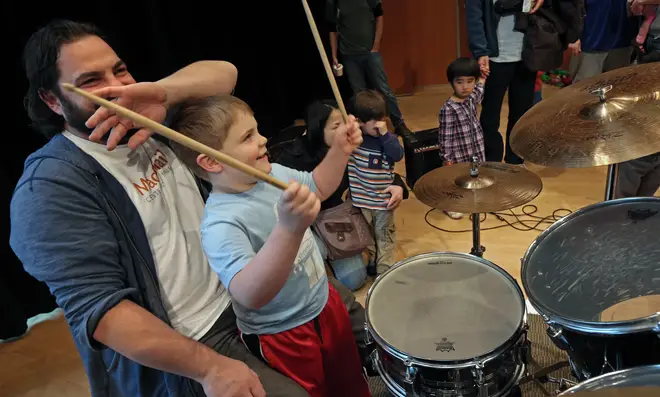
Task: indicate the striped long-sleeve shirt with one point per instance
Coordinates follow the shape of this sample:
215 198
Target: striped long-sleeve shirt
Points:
371 170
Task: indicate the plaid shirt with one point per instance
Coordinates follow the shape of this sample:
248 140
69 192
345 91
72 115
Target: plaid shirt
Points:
459 122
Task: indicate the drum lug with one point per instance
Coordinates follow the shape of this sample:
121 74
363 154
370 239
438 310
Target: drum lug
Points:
368 340
410 382
478 373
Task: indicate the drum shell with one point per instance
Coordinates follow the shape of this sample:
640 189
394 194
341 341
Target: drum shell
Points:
597 347
498 370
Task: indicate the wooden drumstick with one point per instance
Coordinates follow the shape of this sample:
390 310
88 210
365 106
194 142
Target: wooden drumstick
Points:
326 62
169 133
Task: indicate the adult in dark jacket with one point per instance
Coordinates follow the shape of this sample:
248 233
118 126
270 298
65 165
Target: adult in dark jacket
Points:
113 229
497 44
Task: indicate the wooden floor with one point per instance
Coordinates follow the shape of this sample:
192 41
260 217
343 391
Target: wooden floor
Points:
45 362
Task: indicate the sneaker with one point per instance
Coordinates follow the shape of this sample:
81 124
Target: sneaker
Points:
402 129
371 269
454 215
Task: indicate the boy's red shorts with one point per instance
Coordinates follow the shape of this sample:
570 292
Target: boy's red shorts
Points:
321 355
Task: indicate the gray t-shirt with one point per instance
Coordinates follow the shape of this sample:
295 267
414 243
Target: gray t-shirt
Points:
655 26
355 22
509 41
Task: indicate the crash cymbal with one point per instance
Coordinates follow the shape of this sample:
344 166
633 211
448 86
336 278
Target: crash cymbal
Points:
575 129
498 187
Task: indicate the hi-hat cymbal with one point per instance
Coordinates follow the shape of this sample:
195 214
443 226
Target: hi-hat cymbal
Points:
498 187
575 129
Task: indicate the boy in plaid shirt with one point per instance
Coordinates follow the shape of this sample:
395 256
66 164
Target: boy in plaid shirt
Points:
460 133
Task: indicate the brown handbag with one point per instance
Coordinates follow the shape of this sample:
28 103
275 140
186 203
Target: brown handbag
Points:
344 230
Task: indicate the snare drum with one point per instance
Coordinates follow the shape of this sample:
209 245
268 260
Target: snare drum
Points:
447 324
640 378
594 276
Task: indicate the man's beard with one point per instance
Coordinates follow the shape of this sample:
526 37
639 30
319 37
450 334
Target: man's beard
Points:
76 117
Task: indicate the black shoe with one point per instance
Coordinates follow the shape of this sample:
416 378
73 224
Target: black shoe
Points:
371 269
402 129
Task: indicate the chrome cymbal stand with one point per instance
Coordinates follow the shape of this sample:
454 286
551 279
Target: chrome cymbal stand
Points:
477 248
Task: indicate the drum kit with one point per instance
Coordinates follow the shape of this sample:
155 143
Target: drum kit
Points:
453 324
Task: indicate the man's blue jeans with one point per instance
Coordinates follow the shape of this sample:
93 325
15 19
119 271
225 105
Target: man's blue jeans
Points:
366 71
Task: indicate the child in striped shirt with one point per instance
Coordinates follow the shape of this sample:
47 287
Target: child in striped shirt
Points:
371 174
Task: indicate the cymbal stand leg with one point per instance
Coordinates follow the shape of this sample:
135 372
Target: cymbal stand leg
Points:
477 248
610 187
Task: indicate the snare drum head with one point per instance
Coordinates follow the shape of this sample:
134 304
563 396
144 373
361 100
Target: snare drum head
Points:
445 307
598 265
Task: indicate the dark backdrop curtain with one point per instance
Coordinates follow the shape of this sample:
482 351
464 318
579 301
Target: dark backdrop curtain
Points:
270 42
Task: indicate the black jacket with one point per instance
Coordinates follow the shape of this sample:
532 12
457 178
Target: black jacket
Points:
548 31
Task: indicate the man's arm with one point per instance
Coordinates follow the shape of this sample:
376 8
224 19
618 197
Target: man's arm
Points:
153 99
331 22
476 29
135 333
199 80
63 238
379 34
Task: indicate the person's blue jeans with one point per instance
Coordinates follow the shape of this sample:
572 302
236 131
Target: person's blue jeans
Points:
352 272
367 71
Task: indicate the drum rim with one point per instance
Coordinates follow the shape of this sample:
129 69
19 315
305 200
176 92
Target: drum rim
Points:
413 360
584 386
648 323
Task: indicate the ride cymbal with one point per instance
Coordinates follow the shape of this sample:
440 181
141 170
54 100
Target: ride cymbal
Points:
607 119
498 187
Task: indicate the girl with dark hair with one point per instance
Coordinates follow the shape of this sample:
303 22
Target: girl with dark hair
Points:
322 119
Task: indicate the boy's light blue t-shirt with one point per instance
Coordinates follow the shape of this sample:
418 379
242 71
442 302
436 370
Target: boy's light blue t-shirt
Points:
236 226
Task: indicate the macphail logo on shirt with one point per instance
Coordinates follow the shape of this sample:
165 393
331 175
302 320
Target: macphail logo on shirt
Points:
159 165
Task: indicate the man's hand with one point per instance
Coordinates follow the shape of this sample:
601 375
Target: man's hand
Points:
397 196
375 48
576 48
537 4
335 61
298 208
484 65
147 99
348 137
637 7
232 379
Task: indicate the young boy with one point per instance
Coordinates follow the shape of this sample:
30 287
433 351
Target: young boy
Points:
258 241
370 175
460 133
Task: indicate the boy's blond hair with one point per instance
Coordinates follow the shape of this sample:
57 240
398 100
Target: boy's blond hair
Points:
206 120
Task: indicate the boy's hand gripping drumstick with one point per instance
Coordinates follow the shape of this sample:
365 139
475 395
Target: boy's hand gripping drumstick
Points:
169 133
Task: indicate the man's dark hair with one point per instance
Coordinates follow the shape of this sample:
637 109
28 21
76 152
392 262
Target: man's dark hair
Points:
463 67
368 105
40 56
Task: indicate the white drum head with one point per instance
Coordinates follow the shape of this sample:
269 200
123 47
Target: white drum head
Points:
445 307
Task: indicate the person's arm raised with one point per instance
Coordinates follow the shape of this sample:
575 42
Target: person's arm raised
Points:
262 278
154 99
329 173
